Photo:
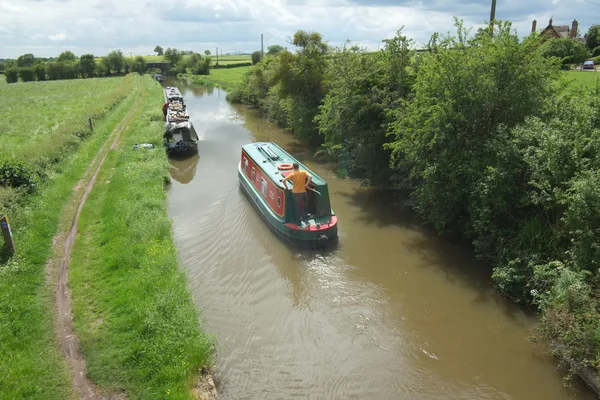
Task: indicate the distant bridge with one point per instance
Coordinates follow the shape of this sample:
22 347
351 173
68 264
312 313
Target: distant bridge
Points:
163 66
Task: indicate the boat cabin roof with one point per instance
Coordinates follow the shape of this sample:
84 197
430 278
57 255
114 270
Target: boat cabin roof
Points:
173 93
268 156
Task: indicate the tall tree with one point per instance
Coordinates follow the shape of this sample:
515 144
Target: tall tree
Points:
274 49
138 65
158 50
592 39
87 63
26 60
255 57
66 56
173 56
115 61
207 52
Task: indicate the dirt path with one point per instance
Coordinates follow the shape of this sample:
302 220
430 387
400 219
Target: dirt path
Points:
63 246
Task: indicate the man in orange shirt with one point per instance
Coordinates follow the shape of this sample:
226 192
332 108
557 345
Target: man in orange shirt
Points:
300 180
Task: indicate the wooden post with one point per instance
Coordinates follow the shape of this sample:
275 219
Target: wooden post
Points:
91 124
6 232
492 17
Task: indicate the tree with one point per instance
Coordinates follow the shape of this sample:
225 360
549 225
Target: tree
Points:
87 63
592 39
138 65
12 75
255 57
207 52
275 49
173 56
115 61
567 50
158 50
66 56
26 74
54 71
26 60
39 69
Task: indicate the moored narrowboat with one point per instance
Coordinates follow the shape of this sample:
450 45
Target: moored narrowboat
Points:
180 137
262 167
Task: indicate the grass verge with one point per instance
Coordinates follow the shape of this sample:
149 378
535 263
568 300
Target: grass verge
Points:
138 328
587 79
31 365
226 78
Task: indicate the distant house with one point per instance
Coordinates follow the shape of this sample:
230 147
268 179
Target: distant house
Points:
559 31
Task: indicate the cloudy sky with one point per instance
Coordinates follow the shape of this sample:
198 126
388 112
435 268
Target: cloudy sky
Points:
48 27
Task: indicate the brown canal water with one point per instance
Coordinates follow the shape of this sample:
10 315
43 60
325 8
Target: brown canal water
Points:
393 312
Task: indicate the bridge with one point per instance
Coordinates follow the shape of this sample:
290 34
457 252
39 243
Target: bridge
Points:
163 66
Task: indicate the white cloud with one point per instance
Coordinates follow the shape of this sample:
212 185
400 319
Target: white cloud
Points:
136 26
59 37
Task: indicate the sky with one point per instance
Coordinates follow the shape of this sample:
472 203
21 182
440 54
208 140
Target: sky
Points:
48 27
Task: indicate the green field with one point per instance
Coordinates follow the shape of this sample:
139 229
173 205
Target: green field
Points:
39 121
227 78
584 78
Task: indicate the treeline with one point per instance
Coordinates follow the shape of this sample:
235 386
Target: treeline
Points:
482 136
68 66
187 61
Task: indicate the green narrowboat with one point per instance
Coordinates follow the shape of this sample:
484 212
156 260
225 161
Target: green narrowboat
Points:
262 167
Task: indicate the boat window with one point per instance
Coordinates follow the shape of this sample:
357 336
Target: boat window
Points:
278 202
253 174
263 186
245 164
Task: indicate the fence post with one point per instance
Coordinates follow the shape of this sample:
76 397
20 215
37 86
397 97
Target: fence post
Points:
6 232
91 124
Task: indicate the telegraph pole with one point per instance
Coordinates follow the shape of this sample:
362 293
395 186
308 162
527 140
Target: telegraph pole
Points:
492 17
262 49
217 56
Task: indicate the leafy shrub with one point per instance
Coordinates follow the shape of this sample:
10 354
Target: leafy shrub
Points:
39 70
26 74
256 56
12 75
18 174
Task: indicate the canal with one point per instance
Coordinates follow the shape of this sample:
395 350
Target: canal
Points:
394 312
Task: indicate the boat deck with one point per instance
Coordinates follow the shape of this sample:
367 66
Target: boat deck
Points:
269 155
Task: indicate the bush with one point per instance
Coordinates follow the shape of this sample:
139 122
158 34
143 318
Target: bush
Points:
12 75
18 174
40 71
26 74
256 56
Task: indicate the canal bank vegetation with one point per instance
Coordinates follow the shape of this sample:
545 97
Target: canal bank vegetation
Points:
482 136
136 300
138 328
37 176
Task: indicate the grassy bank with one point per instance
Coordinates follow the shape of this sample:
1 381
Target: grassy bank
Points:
584 78
139 331
31 364
227 78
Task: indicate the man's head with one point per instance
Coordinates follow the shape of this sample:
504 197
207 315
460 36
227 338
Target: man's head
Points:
296 166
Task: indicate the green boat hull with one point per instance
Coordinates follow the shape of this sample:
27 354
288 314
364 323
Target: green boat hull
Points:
311 239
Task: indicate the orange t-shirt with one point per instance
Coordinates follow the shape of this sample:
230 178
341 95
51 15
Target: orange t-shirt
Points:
298 178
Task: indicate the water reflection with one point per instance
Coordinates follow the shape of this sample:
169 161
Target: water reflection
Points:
182 169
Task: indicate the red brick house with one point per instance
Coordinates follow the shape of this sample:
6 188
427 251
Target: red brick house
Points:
559 31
